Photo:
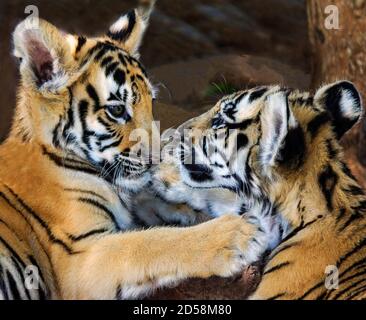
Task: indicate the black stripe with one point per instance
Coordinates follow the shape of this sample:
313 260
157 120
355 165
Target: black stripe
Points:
20 271
83 113
42 223
106 61
33 231
139 64
332 152
257 94
123 34
125 95
242 125
242 141
122 59
70 164
240 97
352 252
112 145
138 76
275 297
81 42
88 234
12 251
282 248
103 137
327 181
42 292
313 288
358 274
55 132
3 289
94 96
101 207
10 229
352 218
358 291
13 286
347 171
119 77
341 214
104 123
357 264
339 293
104 48
355 190
315 124
276 267
119 292
301 227
111 68
92 193
19 265
70 116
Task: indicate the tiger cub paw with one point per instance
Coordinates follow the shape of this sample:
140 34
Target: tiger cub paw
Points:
231 244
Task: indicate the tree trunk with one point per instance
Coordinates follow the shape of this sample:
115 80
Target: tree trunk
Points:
340 53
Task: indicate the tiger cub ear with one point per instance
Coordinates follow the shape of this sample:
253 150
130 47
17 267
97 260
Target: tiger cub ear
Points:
44 55
129 29
282 140
342 101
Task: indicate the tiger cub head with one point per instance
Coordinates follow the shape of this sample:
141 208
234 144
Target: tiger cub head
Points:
86 96
266 143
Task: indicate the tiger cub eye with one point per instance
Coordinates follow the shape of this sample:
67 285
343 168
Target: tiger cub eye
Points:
116 111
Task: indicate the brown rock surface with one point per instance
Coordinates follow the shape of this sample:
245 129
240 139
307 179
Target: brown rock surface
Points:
186 82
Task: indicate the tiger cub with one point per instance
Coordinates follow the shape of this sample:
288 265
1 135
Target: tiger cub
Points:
69 167
273 156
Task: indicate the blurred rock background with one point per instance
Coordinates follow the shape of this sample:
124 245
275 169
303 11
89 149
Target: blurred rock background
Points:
190 45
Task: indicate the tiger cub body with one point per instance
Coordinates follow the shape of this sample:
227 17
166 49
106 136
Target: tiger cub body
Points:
70 167
275 154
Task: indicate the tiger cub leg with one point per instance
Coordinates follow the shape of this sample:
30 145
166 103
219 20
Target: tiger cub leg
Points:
131 264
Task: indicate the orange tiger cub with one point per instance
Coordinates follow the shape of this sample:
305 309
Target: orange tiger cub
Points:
276 153
67 173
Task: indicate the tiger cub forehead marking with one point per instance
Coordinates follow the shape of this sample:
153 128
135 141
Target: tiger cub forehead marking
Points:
241 106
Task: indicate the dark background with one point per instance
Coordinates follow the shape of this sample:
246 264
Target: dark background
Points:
190 45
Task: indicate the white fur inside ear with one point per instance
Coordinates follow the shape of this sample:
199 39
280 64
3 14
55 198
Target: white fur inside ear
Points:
274 127
129 30
120 24
347 105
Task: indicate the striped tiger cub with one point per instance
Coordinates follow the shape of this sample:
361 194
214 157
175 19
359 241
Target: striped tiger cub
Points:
68 169
272 155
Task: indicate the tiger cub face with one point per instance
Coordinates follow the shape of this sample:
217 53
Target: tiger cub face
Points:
262 142
87 96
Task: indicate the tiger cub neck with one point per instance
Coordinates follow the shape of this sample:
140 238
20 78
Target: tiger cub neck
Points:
333 192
